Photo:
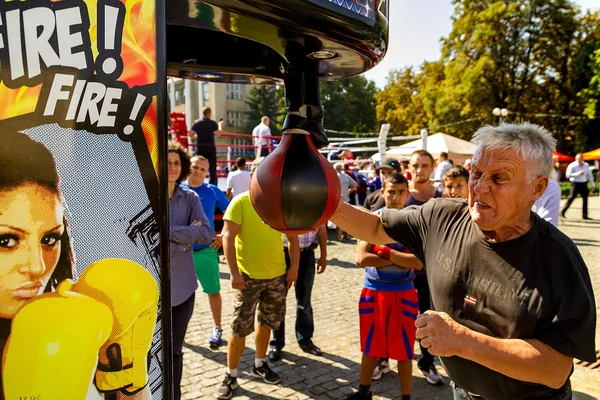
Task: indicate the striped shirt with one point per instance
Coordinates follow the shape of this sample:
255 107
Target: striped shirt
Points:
305 240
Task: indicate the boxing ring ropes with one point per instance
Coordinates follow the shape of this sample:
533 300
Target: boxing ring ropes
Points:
227 153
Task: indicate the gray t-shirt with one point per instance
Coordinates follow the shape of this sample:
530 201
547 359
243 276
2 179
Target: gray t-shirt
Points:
536 286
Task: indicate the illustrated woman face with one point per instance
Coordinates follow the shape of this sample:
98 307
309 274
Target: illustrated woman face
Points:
31 225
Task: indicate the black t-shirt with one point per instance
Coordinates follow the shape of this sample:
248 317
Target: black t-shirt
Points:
374 201
532 287
205 128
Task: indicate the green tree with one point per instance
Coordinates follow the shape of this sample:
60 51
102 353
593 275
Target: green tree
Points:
400 102
592 93
528 56
264 100
349 105
532 57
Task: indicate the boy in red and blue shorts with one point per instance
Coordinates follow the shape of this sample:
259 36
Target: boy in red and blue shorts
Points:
388 304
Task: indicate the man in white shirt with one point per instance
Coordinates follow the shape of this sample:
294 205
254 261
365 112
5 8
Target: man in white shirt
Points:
548 205
579 174
440 170
238 181
261 135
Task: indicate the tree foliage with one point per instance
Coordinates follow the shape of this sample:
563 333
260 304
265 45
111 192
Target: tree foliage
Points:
532 57
264 100
349 105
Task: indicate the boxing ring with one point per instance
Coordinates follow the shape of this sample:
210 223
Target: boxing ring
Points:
227 153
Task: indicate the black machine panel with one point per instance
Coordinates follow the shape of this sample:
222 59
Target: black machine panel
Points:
252 41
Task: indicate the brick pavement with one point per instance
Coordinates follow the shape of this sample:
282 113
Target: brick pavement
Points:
335 297
586 235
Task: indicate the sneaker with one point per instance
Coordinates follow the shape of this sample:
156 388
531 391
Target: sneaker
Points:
227 387
358 396
266 373
215 337
432 376
382 368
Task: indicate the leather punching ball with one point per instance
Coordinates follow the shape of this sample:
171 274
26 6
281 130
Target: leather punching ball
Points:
295 189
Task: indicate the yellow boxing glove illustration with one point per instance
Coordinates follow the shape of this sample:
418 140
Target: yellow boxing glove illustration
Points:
131 293
53 347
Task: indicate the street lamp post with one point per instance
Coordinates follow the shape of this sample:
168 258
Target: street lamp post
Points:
500 113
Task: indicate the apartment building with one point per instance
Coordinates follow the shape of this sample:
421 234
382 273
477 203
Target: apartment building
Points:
226 100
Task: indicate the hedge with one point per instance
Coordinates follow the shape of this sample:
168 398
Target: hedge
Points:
565 188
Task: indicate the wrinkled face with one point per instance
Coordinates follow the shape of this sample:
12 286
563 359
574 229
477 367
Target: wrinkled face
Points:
395 194
500 196
421 168
174 167
456 188
31 226
383 172
199 169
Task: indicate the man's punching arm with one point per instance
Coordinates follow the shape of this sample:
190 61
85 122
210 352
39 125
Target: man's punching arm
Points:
360 223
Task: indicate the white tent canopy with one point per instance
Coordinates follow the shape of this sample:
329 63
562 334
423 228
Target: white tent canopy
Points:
458 150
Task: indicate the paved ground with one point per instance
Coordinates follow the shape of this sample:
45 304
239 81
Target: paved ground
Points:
335 297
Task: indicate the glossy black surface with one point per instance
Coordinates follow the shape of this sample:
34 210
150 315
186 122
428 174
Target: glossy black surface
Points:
304 186
253 41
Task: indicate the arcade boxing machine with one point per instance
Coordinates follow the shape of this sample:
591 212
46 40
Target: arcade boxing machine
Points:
83 90
295 42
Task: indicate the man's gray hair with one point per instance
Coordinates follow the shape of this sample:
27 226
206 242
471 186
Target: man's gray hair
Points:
533 142
339 167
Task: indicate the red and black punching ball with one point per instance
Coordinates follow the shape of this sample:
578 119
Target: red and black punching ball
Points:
295 189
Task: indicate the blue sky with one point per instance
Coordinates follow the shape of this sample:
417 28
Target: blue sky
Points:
416 27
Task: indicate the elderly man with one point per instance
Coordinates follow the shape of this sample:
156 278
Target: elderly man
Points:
512 296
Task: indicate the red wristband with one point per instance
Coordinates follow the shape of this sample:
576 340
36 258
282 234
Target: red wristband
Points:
382 251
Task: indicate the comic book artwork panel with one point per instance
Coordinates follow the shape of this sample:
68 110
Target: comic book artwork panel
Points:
80 258
73 208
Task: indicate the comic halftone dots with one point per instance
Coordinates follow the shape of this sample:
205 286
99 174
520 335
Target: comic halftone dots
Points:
103 193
